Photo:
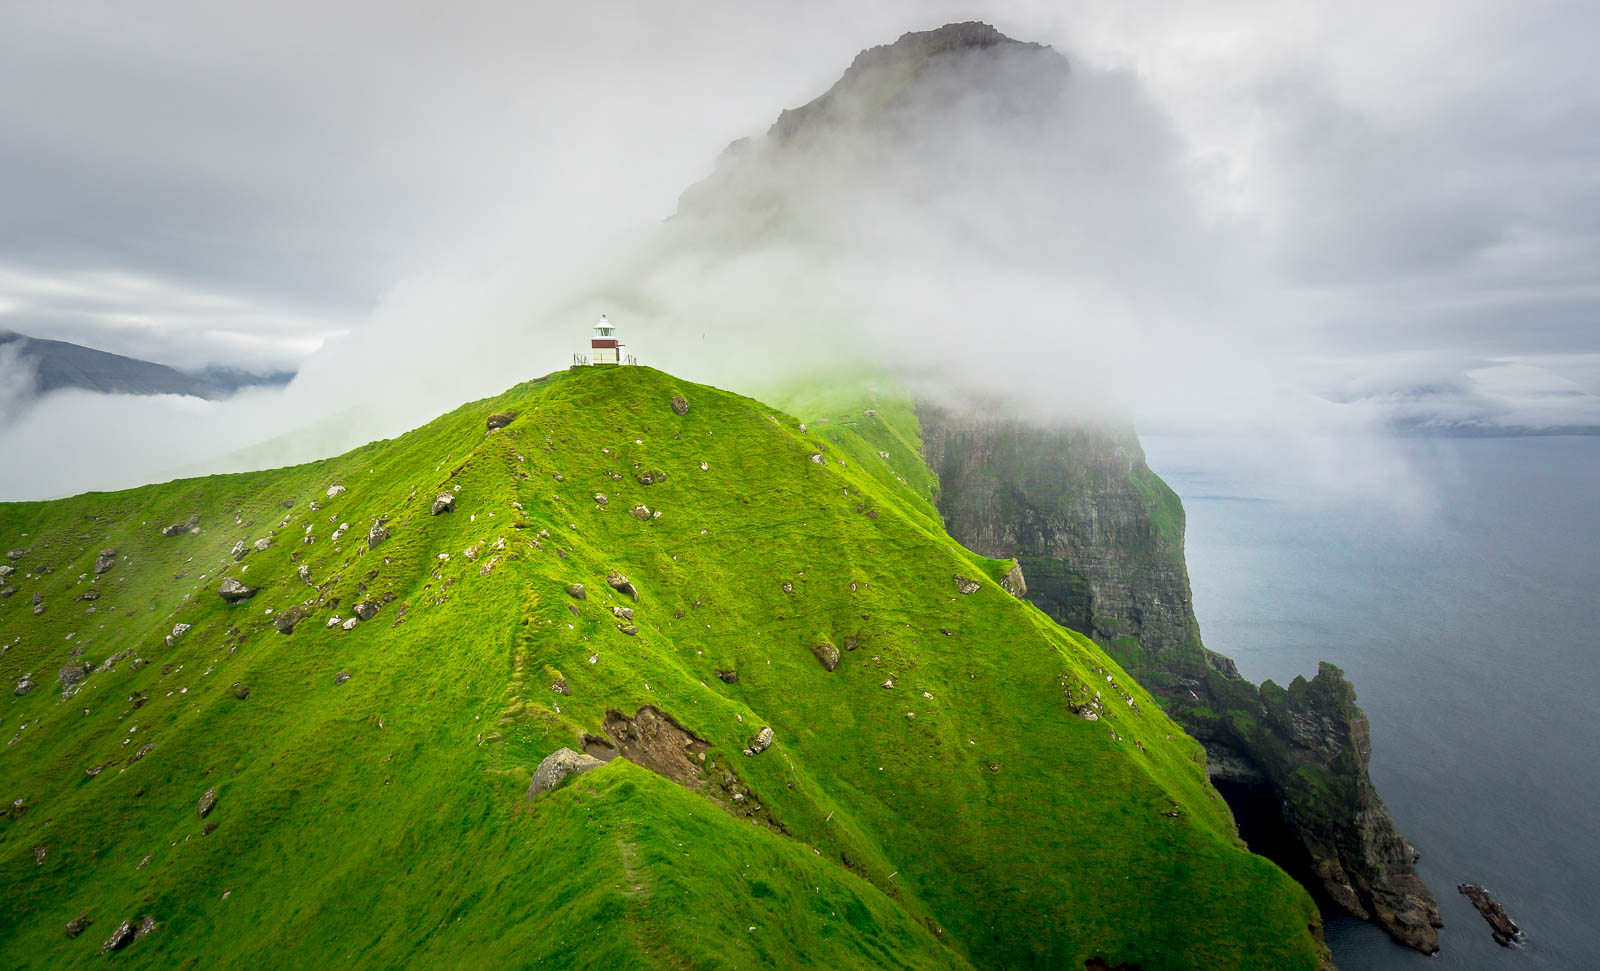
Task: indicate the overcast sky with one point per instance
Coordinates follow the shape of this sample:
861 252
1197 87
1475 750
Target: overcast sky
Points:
296 184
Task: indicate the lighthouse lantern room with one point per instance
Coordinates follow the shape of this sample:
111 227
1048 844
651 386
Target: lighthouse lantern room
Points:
604 347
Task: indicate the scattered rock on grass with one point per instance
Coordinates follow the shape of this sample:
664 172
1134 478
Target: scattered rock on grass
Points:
729 676
620 583
208 801
233 591
119 939
341 677
626 613
760 741
78 924
444 502
500 419
827 654
377 534
640 513
557 766
367 609
680 405
178 529
105 561
285 620
576 591
560 686
241 690
335 490
967 585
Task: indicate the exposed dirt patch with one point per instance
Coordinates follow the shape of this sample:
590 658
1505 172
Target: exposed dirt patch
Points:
655 740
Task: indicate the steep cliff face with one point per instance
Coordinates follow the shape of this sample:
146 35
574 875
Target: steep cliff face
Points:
1100 540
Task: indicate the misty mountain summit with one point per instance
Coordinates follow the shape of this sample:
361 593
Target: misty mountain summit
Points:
618 670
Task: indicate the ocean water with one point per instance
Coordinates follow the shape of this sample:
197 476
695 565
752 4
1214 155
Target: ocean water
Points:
1469 623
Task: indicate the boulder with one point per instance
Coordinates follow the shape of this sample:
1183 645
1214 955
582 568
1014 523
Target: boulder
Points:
208 801
377 534
680 405
620 584
350 623
78 924
557 766
760 741
178 630
335 490
444 502
500 419
285 620
341 677
560 686
1013 583
640 513
262 545
119 938
24 685
241 690
367 609
827 654
600 499
576 591
148 924
233 591
628 629
626 613
178 529
105 561
14 555
304 572
6 570
729 676
72 675
817 458
967 585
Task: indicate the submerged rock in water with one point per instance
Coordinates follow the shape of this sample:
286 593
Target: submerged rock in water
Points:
1502 928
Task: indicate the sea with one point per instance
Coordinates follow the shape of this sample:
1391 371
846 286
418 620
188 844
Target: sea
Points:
1463 602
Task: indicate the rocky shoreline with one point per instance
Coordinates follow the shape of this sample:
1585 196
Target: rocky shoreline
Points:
1100 539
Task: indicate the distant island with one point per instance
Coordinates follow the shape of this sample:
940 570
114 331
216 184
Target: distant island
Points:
59 364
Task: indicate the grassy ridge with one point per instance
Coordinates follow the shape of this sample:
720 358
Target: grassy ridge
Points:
964 814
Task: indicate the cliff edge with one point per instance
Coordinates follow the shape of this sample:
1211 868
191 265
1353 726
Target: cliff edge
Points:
1100 540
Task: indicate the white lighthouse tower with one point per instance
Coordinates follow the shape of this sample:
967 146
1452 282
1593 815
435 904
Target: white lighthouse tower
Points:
604 347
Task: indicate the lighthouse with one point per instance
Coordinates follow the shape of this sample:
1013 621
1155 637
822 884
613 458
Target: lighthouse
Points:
604 347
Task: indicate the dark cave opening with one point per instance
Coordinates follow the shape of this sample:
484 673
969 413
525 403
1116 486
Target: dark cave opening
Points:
1259 814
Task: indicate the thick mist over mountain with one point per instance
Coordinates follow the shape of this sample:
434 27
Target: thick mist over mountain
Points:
1105 228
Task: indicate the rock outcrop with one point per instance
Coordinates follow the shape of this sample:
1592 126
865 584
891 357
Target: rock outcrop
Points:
557 766
178 529
1101 539
1502 928
234 591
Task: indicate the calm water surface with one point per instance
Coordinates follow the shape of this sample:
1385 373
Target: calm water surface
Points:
1471 630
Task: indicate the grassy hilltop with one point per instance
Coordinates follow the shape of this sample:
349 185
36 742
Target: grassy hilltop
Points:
938 799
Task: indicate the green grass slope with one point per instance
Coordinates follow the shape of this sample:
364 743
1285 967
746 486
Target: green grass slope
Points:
934 801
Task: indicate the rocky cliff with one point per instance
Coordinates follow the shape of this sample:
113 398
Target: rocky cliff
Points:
1100 540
